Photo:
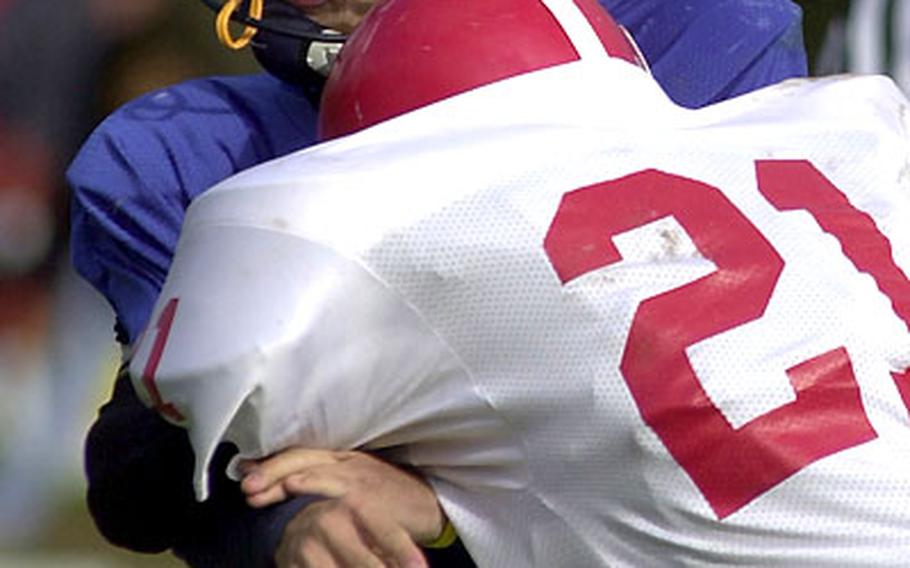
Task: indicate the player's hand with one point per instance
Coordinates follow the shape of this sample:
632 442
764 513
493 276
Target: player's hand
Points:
373 513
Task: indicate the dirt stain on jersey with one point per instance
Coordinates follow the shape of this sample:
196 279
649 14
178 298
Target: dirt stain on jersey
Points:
670 243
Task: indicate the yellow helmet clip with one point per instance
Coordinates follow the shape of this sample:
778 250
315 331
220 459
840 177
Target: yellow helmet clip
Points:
223 19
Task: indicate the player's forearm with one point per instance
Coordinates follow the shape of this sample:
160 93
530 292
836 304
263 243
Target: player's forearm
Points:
227 533
133 462
140 494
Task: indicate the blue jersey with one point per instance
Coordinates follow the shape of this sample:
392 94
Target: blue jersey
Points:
136 174
705 51
138 171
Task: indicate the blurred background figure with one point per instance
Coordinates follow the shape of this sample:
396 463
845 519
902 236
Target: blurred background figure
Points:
861 36
53 331
63 67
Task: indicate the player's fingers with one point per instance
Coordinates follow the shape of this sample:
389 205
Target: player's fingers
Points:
346 542
309 553
262 475
269 496
326 481
389 539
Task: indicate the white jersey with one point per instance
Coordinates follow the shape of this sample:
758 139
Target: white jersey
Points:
614 332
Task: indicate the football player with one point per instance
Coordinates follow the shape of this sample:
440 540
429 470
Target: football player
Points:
622 334
138 172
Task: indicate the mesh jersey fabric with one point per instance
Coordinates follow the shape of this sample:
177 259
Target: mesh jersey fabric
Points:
398 290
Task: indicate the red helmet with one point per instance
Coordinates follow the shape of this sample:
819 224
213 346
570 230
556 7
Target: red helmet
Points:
409 53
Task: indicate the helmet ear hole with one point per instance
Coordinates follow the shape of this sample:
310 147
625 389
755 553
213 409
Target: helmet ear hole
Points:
407 54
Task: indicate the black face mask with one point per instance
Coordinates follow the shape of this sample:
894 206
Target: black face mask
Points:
289 45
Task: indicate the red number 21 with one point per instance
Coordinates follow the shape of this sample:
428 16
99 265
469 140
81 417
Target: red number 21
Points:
730 466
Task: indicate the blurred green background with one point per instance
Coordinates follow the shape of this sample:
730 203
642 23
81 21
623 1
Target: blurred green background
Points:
64 65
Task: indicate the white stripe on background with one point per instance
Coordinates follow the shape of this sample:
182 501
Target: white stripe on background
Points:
865 35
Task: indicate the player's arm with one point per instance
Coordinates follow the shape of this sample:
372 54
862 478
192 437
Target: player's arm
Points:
703 51
370 510
129 195
140 495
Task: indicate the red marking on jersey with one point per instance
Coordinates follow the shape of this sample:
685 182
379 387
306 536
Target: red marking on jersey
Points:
730 466
163 328
902 380
797 184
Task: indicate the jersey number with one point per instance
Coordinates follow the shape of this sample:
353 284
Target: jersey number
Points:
730 466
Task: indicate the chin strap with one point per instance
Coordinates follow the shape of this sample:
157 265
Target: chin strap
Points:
222 20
